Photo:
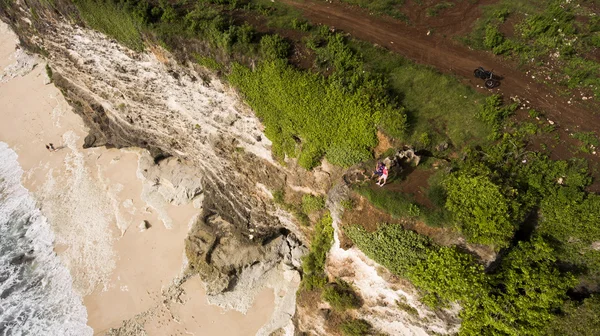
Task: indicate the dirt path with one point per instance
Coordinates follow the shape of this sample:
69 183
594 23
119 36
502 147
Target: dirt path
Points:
448 56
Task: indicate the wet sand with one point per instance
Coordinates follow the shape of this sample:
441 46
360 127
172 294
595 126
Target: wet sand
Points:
93 201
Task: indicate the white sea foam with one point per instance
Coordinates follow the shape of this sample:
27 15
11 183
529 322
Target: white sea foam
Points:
36 293
81 215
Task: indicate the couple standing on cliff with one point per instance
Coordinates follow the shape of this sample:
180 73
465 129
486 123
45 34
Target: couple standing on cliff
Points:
382 172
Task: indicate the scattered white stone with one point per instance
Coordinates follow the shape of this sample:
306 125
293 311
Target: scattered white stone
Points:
550 122
560 180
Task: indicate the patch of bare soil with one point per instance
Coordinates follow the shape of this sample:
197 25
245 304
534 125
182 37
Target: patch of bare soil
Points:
384 144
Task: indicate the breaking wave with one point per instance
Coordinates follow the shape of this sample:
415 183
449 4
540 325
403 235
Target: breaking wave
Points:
36 289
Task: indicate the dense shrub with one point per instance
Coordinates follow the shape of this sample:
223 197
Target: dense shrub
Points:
572 218
493 113
313 264
528 288
482 210
397 249
273 47
311 203
355 327
341 296
305 112
447 275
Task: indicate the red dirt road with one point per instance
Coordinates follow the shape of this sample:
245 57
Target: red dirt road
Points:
448 56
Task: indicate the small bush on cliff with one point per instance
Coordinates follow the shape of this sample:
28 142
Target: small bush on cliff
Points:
311 203
313 264
355 327
341 296
273 47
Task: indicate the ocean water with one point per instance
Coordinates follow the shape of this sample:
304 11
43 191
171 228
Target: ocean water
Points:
36 290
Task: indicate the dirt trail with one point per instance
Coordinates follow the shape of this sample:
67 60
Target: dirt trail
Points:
447 56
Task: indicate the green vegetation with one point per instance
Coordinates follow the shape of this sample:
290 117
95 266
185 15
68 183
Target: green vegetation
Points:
553 37
313 264
273 47
577 319
482 209
355 327
392 246
518 299
208 62
447 275
435 104
438 8
108 18
311 203
570 217
298 108
382 7
294 209
493 113
397 204
49 72
341 296
589 141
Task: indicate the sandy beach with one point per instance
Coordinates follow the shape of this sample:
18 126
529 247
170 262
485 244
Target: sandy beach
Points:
93 199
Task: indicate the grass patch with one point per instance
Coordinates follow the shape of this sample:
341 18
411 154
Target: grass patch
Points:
436 9
108 18
397 204
49 72
208 62
298 109
390 8
435 104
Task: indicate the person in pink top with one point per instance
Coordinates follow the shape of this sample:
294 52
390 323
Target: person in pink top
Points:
384 176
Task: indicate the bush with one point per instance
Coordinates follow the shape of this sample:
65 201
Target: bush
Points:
341 296
313 264
392 246
311 203
493 113
355 327
571 217
493 37
273 47
528 289
279 196
447 275
481 209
